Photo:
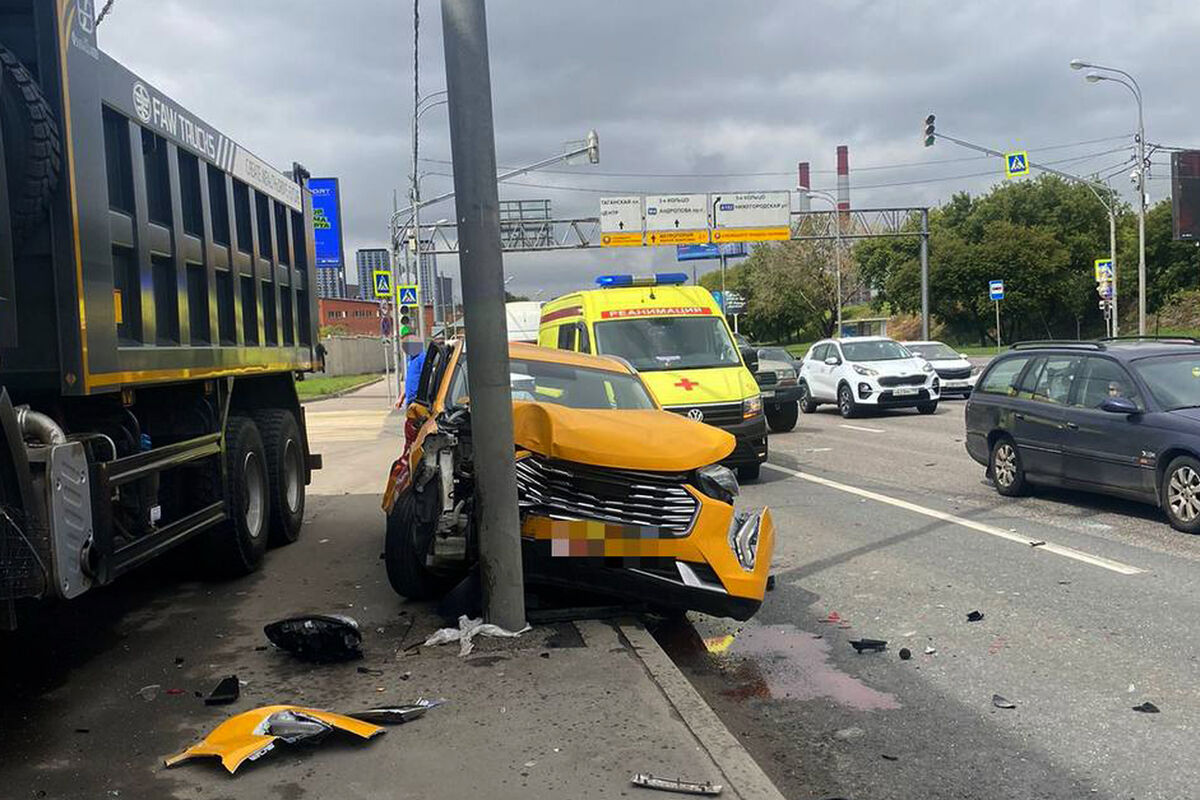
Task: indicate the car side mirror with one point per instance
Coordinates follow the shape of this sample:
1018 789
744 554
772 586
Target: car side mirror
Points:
832 361
1119 405
750 357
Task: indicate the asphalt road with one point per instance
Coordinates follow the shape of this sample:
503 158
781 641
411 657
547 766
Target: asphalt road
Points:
886 524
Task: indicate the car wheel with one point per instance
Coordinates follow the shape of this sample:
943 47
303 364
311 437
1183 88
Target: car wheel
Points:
749 472
406 568
927 408
782 418
846 405
1006 470
807 404
1181 494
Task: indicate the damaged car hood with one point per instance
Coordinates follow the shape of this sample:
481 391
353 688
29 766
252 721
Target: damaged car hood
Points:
648 439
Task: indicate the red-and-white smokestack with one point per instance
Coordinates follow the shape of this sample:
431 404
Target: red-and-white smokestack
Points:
805 185
843 178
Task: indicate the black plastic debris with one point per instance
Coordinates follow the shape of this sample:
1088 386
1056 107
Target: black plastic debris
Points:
871 645
889 757
227 691
905 654
648 781
369 671
1147 708
317 637
390 715
974 616
1000 701
770 583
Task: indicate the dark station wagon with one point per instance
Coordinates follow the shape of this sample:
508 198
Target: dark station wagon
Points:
1116 416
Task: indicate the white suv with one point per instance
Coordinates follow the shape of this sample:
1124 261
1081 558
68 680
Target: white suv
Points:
866 371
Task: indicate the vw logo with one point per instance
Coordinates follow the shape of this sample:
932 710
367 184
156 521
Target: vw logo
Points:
141 101
696 414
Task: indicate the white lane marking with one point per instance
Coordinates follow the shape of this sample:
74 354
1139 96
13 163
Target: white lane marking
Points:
982 527
818 449
865 430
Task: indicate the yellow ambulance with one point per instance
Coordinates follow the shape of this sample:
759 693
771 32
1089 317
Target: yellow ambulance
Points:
677 338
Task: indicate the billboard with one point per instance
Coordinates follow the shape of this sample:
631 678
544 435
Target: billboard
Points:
327 221
1185 195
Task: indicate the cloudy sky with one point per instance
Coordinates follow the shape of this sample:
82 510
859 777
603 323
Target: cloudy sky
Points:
687 95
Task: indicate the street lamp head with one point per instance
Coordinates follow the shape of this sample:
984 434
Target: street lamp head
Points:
1078 63
593 147
1094 77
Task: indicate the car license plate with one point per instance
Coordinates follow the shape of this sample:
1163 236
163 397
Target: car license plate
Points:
903 390
955 384
768 393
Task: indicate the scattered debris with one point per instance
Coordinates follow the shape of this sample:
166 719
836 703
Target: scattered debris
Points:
874 645
833 618
150 692
975 616
466 631
252 734
318 637
396 715
83 730
930 650
648 781
905 654
999 701
369 671
1147 708
849 734
175 691
322 541
1064 583
529 764
1131 689
544 655
889 757
227 691
179 661
406 676
770 583
1036 543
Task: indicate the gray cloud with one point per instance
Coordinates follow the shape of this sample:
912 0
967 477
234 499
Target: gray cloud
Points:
674 88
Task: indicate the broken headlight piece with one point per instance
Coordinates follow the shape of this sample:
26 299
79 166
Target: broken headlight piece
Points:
717 482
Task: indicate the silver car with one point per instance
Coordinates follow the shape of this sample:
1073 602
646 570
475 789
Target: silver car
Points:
957 373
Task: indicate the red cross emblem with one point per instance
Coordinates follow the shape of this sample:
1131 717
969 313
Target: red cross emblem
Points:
684 383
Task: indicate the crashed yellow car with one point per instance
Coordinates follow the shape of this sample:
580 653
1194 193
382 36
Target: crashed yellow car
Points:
617 497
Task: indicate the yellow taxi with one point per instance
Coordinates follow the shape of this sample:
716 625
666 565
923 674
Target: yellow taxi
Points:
617 497
676 337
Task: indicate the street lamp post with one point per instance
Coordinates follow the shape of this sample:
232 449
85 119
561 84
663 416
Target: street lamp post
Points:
1132 85
837 248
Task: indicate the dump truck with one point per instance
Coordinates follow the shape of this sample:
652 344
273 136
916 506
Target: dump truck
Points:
157 302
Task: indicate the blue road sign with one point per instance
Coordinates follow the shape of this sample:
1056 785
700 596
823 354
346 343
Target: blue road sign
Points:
383 283
697 252
1016 164
996 290
406 295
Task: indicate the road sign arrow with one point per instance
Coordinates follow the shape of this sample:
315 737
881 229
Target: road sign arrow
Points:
621 225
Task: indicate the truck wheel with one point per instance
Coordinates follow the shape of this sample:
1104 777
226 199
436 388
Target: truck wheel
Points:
285 472
32 147
749 472
782 418
406 569
236 547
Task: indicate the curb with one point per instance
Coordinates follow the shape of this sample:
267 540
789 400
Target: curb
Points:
742 772
335 395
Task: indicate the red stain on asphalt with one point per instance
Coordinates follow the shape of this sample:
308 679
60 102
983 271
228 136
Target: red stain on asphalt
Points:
786 663
997 645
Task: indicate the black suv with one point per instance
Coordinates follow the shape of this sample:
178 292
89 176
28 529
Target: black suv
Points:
1118 416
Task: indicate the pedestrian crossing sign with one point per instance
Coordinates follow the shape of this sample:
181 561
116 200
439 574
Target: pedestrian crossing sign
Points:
383 282
407 294
1016 164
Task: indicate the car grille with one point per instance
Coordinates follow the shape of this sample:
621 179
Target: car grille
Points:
721 415
902 380
954 374
565 490
766 378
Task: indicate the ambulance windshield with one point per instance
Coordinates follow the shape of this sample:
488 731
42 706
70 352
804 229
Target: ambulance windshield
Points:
659 343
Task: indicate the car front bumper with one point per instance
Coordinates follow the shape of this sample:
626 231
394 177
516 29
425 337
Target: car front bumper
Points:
868 392
699 571
778 395
751 447
958 386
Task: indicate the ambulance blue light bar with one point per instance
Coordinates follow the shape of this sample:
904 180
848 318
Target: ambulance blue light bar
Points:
658 279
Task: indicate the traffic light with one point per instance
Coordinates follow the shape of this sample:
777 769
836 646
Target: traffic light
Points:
930 134
405 320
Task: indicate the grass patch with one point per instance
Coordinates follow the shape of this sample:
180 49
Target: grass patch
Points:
316 387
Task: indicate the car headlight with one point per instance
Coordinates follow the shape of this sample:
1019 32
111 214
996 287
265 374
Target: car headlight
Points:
861 370
752 406
786 374
743 539
717 482
927 367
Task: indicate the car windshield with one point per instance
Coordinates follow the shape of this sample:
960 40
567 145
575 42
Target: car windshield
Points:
774 354
1173 380
935 351
883 350
657 343
561 384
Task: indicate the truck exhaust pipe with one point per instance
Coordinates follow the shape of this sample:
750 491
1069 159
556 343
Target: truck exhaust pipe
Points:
39 426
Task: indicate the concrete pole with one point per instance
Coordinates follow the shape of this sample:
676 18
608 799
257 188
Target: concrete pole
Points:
1112 255
925 274
837 268
473 151
1141 218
